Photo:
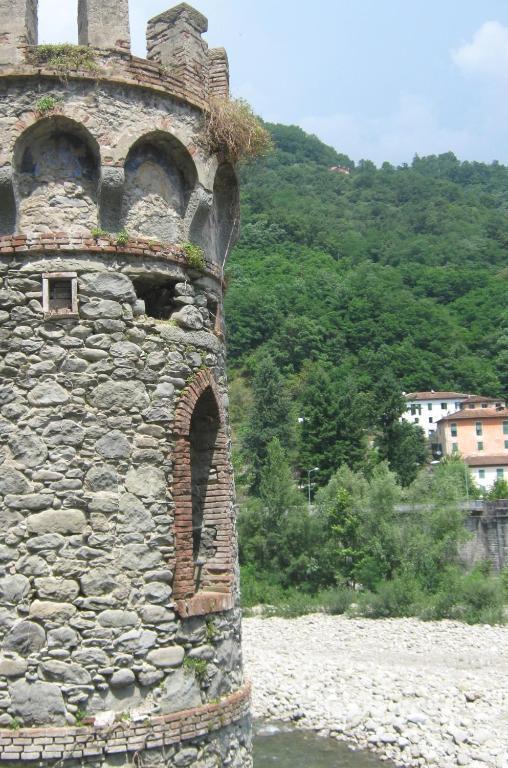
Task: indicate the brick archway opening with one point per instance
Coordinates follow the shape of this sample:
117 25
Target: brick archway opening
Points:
203 503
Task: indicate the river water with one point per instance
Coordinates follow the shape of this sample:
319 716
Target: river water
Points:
278 746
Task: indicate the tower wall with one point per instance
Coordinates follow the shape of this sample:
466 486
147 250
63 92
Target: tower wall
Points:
119 614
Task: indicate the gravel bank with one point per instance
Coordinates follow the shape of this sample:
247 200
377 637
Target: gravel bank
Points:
420 693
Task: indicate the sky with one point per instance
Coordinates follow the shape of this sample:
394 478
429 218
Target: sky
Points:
376 79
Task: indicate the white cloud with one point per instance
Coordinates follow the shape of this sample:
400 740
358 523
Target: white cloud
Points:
413 127
487 54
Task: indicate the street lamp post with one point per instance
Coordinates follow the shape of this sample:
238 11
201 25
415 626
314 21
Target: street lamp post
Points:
309 473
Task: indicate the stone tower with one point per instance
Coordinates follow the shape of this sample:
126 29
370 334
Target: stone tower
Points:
119 617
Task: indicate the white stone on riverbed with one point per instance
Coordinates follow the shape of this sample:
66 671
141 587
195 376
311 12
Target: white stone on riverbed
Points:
419 693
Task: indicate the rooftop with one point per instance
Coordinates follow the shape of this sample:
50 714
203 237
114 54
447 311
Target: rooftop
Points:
432 395
476 413
487 461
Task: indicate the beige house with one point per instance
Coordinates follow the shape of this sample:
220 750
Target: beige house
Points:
479 433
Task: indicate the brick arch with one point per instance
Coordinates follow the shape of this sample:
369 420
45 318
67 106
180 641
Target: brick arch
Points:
202 493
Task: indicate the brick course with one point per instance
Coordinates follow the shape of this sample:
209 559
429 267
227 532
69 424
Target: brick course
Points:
91 741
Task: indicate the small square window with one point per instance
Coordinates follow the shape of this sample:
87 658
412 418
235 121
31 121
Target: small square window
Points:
479 446
500 473
453 430
430 419
443 406
429 406
481 474
60 294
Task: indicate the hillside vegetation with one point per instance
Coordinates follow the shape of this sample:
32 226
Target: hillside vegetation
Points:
345 289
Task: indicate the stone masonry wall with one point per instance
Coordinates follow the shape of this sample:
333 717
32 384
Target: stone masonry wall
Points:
120 637
87 616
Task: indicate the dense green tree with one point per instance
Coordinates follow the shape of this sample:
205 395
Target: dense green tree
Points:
270 417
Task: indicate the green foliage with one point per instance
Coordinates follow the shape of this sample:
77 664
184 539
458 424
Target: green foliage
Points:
46 104
400 563
122 237
358 287
194 256
15 724
99 232
269 416
199 667
80 717
499 490
65 58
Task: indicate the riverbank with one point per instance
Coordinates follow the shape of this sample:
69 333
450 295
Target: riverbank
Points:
419 693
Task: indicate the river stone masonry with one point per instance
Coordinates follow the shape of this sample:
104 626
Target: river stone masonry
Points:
119 609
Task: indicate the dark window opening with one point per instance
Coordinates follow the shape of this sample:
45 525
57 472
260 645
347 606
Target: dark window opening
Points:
205 425
159 298
59 294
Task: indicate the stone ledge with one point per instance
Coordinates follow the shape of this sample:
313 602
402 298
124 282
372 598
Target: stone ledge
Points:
164 730
61 242
120 69
203 603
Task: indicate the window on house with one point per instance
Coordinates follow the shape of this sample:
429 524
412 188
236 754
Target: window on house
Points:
481 474
60 294
471 405
478 426
479 446
457 406
416 409
500 473
455 447
429 406
485 405
416 420
443 406
431 420
505 427
453 430
506 443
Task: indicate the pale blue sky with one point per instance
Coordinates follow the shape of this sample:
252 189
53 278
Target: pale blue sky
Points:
379 79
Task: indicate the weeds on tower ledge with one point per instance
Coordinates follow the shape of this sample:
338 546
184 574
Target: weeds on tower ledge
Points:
64 58
233 130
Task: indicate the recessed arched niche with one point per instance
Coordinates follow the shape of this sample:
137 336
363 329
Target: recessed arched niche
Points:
159 178
217 231
56 164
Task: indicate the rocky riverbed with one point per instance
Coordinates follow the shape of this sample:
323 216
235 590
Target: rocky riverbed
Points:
419 693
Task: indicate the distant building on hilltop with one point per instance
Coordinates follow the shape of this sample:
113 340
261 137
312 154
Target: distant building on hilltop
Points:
478 431
340 169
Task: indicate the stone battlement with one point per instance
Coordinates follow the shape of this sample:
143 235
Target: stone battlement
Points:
178 61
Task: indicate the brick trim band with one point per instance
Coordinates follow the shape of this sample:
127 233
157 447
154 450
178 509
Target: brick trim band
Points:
59 242
92 741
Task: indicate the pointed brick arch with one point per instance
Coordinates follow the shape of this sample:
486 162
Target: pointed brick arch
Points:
202 492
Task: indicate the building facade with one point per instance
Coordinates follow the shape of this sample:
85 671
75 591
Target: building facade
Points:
424 409
480 436
119 598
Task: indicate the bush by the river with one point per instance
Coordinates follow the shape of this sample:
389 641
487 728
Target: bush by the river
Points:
355 551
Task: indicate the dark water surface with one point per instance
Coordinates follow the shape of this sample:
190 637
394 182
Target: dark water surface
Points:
282 747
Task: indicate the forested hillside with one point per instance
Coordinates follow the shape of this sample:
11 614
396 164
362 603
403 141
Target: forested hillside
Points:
344 289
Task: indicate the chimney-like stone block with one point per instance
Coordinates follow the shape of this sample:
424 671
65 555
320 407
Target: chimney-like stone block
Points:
104 24
218 72
18 28
174 41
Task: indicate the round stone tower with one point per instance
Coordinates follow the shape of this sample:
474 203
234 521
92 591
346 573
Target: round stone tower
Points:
119 617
